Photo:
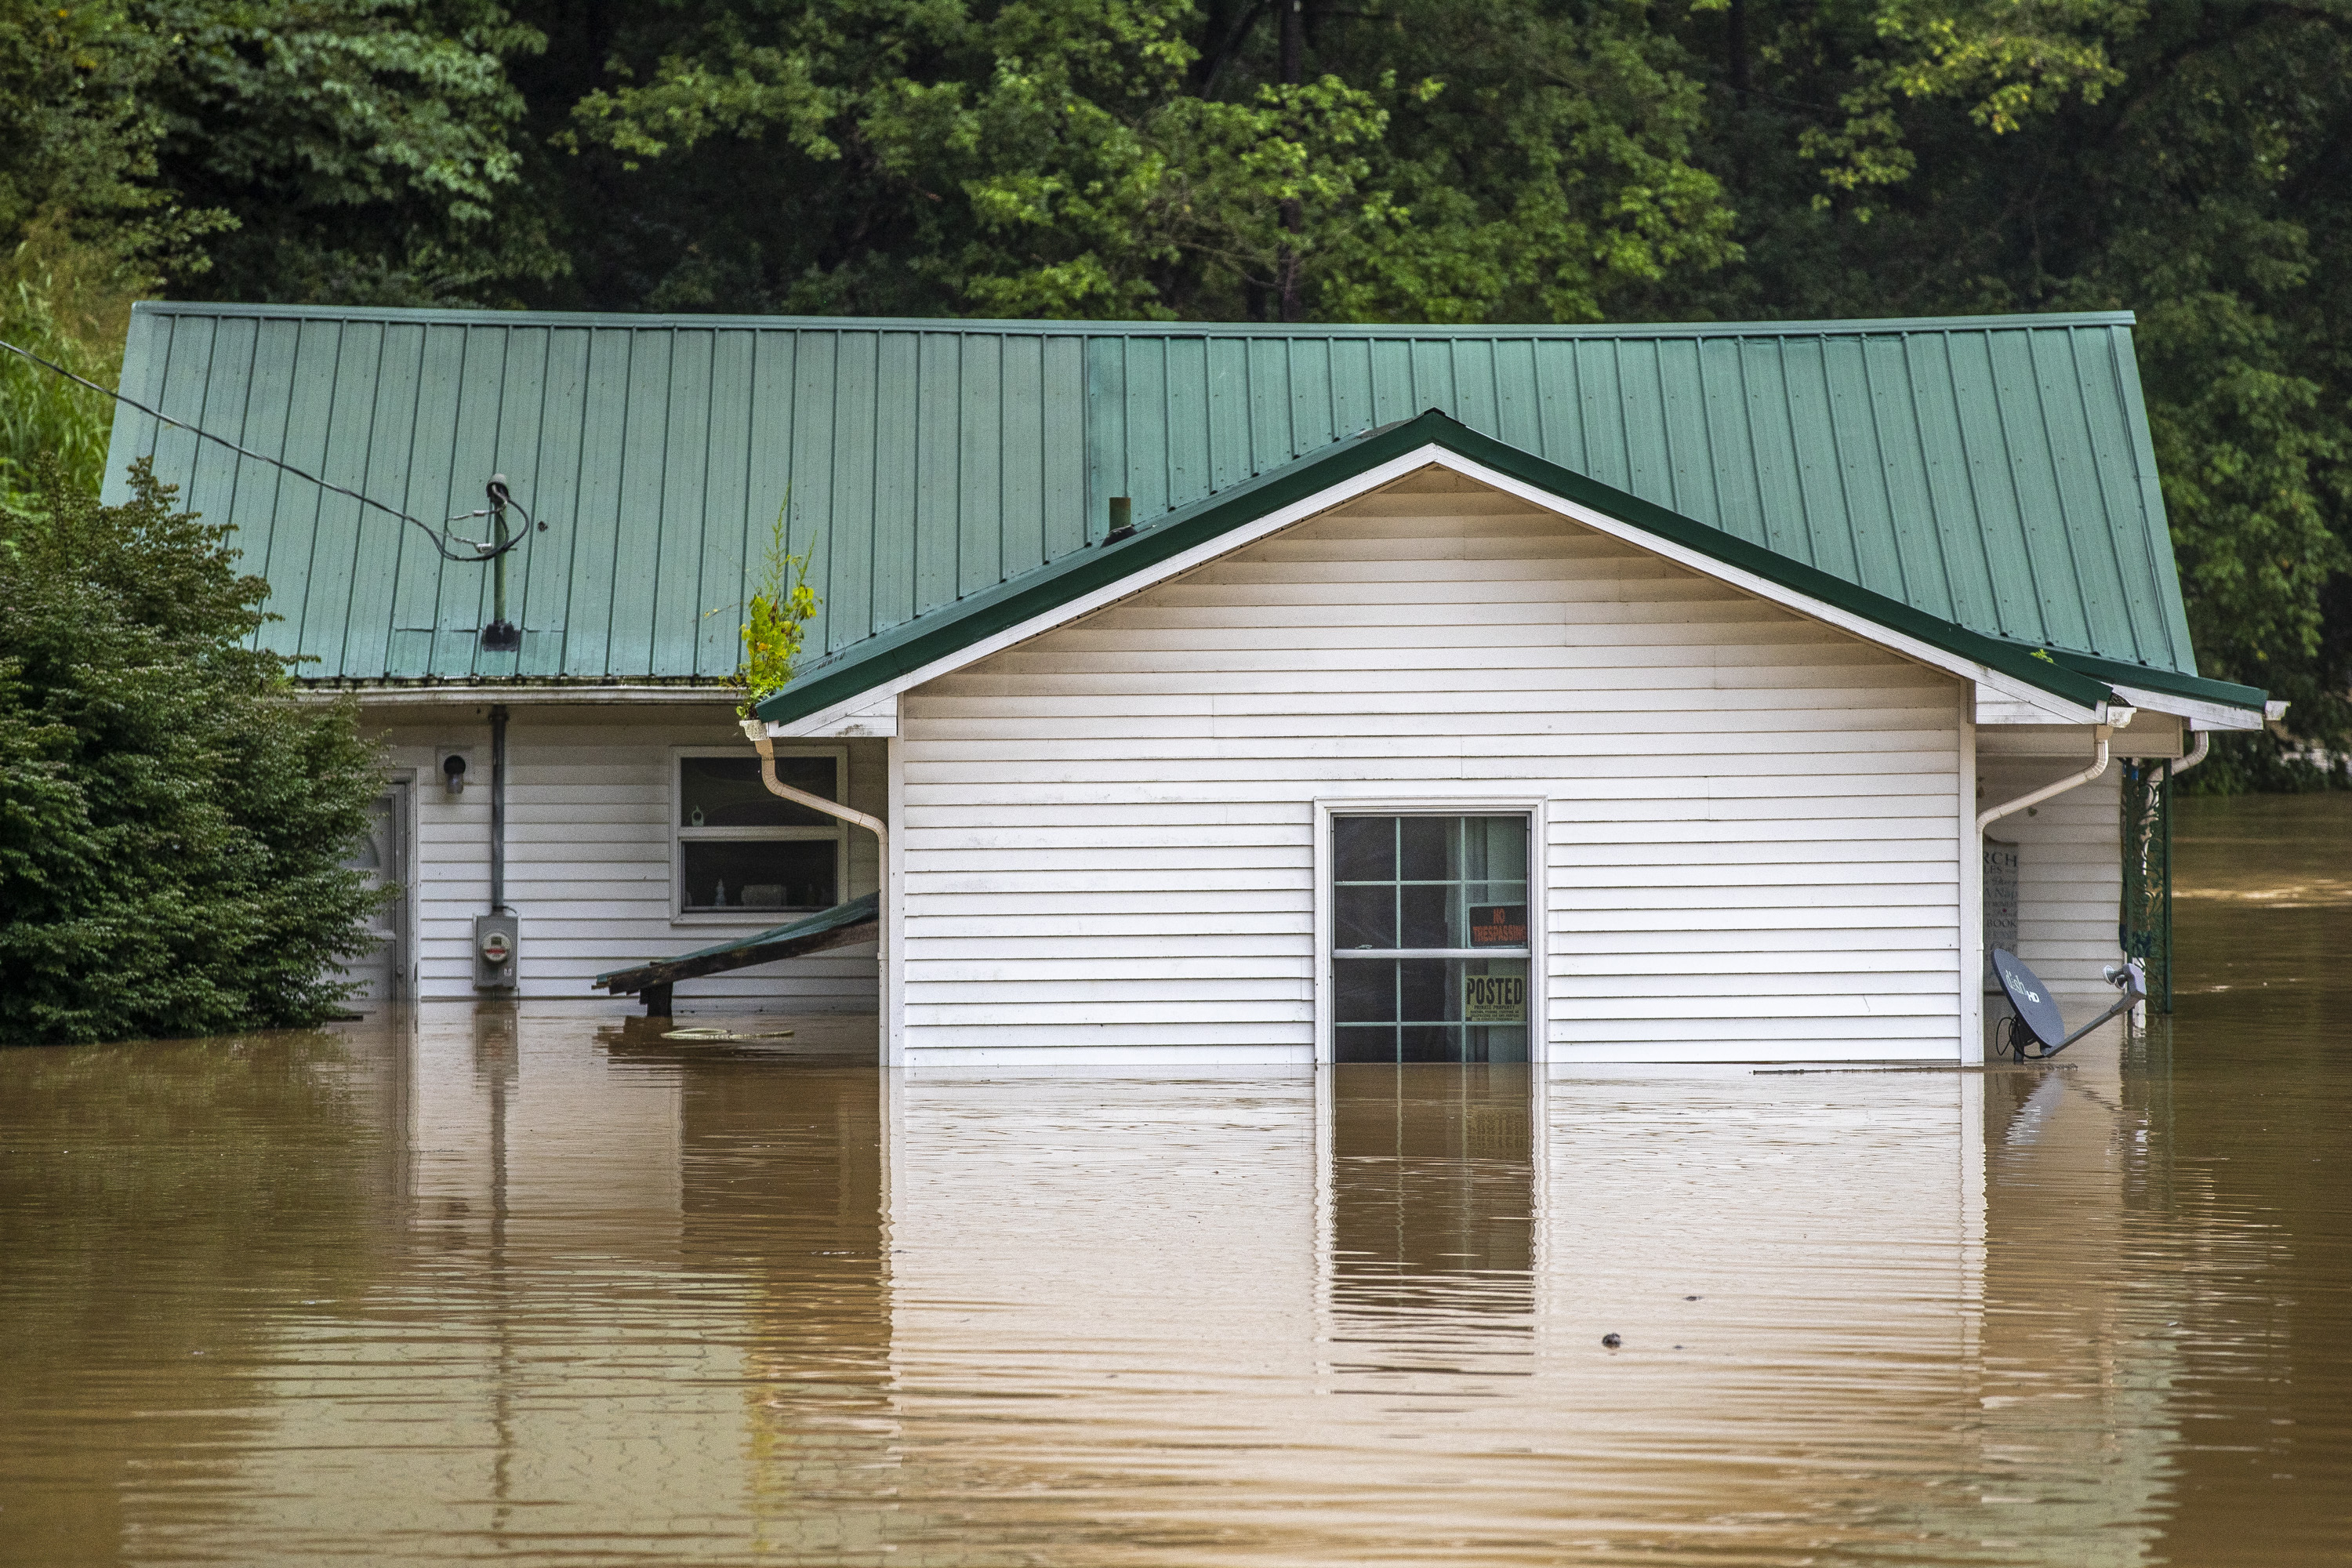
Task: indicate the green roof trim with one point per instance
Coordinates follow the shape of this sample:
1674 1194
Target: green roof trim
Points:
2199 688
944 633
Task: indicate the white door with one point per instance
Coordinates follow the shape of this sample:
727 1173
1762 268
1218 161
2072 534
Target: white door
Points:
382 971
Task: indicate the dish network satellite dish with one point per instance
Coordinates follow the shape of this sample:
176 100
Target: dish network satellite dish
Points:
2038 1021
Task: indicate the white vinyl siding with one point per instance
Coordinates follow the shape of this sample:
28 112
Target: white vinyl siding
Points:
589 868
2069 851
1753 823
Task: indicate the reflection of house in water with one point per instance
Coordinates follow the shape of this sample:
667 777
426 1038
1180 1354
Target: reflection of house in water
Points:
783 1199
1432 1239
665 1298
165 1209
2081 1339
1108 1296
642 1307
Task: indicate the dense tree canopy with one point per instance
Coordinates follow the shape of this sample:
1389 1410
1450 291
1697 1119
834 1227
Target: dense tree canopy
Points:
1400 160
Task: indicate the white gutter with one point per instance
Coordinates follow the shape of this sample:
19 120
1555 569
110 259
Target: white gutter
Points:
2101 734
757 733
454 695
2212 715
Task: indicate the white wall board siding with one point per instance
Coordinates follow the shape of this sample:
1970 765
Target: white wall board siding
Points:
2070 850
1754 843
588 854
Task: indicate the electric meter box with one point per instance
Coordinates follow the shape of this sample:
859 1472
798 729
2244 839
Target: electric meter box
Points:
496 938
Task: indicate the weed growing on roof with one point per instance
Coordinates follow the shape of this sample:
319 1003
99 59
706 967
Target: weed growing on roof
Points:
775 622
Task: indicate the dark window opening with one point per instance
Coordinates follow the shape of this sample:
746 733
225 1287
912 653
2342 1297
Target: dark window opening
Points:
1435 891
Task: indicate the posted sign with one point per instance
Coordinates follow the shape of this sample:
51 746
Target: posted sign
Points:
1494 998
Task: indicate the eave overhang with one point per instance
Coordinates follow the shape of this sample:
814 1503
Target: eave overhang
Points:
2207 704
932 645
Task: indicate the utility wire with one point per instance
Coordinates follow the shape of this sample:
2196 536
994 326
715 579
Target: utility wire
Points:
482 549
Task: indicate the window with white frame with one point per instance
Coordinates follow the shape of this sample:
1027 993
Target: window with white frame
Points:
1429 937
742 852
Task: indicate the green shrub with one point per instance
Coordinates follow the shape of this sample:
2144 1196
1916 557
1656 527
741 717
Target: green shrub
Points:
171 822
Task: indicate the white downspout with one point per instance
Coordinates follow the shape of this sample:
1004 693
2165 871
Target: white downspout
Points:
756 733
2101 735
2195 754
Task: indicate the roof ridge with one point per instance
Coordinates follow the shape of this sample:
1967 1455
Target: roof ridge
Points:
1888 326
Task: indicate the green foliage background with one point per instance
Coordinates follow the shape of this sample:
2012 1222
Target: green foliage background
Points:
1436 160
172 828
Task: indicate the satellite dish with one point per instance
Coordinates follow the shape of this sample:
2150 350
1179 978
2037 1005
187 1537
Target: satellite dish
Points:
2037 1011
2037 1015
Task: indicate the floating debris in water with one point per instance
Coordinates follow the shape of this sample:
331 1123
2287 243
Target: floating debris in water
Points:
714 1034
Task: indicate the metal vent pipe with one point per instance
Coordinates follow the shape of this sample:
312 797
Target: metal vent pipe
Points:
498 807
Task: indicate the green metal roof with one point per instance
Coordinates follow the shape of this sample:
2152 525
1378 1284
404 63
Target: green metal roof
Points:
1992 472
908 649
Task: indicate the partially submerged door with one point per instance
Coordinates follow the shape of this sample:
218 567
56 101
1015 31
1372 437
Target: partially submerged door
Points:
382 971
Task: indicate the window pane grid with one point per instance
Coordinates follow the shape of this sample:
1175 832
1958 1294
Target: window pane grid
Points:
1448 896
743 851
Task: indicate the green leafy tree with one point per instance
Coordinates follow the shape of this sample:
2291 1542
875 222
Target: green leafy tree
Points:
1427 160
171 825
80 135
362 150
1896 157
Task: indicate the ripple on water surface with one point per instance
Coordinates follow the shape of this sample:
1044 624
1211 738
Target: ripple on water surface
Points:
546 1290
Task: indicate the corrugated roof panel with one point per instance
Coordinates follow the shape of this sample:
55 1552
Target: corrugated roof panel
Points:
725 516
1994 471
891 553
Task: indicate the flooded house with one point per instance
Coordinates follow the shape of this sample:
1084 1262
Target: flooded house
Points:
1230 695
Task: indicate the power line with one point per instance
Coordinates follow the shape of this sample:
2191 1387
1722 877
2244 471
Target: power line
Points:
480 549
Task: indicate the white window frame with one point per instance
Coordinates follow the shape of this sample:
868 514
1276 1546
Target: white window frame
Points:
1533 807
673 810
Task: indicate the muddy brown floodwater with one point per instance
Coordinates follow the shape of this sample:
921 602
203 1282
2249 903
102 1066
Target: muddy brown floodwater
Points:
538 1290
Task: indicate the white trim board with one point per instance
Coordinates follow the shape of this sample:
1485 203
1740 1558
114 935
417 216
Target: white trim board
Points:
2200 715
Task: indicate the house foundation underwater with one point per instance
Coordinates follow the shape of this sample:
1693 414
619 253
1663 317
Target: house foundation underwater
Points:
1225 695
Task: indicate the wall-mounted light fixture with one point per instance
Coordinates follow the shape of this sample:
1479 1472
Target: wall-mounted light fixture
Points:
453 771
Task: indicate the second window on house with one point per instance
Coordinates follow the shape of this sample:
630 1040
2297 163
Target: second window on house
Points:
743 852
1429 938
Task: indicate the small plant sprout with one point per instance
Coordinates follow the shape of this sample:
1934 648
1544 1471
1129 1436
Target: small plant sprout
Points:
775 621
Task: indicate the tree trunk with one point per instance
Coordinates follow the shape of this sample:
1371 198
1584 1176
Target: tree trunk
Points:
1294 217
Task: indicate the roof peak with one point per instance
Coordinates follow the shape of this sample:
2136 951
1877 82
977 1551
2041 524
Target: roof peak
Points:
1059 591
